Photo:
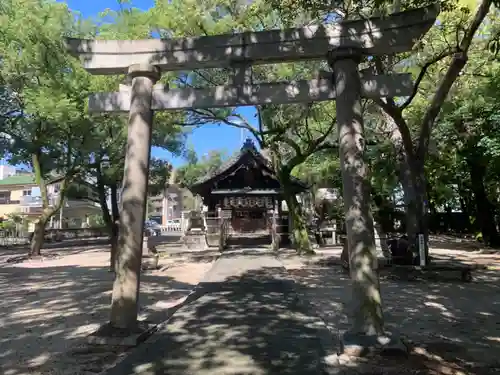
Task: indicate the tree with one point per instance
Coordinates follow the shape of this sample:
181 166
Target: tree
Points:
470 147
179 19
44 119
109 160
447 42
195 168
416 152
295 134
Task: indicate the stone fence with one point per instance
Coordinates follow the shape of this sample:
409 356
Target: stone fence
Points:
12 237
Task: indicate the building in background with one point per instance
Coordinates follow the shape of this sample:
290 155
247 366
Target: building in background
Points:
20 195
166 207
7 171
172 203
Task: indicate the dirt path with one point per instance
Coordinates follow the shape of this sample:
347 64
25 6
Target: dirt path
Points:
48 308
453 327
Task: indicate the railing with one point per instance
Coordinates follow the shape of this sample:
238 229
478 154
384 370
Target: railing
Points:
36 202
13 237
76 233
9 201
172 228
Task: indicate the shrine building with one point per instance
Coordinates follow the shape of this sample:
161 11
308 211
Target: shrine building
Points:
246 190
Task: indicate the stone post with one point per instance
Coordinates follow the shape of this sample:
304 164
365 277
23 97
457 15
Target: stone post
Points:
274 226
124 306
334 234
366 314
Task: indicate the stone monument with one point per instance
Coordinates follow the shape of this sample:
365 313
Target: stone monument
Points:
194 237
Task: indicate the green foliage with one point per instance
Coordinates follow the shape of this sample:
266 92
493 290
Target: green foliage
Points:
159 175
43 100
96 221
195 169
46 90
43 96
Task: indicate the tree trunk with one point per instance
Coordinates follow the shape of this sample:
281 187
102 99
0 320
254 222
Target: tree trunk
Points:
431 201
300 236
485 211
38 237
414 189
383 222
410 177
466 207
115 225
108 220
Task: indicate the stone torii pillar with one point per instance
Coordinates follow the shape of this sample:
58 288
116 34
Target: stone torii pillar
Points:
124 303
366 308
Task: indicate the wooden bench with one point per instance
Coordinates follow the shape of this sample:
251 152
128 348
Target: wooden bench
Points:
436 265
464 270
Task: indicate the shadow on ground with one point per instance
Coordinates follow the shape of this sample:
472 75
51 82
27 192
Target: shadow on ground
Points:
180 254
456 242
450 325
251 324
44 311
52 250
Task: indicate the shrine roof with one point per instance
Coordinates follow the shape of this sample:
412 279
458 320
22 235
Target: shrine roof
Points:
245 191
248 148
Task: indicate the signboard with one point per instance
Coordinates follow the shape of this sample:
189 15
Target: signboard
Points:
226 214
421 249
258 202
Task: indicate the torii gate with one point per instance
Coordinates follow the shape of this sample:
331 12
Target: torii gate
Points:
342 45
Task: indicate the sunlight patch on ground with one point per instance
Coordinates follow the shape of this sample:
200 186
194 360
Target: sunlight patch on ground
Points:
83 330
49 309
167 304
39 359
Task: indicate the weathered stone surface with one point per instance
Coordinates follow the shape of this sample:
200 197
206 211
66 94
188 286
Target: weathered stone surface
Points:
109 336
160 243
376 36
359 345
150 262
244 319
231 96
195 241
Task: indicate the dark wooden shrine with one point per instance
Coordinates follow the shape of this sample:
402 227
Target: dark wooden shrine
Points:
245 190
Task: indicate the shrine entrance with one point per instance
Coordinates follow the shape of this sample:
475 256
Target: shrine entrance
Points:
246 191
343 45
248 214
249 220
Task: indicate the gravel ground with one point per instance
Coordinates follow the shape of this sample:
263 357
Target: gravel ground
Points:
452 327
49 306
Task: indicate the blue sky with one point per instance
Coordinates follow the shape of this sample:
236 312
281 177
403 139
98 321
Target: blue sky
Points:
203 139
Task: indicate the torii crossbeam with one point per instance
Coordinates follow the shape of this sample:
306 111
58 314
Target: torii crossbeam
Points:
315 90
374 36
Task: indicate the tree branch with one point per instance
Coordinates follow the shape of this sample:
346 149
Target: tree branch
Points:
458 62
395 112
422 74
